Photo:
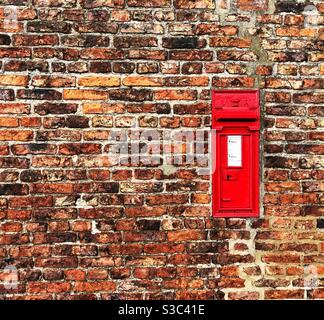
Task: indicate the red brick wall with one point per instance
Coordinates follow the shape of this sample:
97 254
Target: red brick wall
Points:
75 225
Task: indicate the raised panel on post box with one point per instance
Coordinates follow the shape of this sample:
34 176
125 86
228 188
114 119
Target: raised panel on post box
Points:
236 118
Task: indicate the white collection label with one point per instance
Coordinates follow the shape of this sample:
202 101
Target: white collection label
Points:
234 151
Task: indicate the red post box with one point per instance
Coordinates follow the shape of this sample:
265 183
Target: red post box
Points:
236 119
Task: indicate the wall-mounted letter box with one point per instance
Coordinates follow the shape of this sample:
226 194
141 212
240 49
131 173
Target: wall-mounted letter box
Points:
236 119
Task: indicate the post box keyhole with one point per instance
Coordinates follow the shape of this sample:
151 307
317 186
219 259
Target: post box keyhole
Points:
230 176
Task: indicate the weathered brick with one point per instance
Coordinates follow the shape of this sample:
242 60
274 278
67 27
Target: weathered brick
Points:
236 55
48 82
13 189
195 4
123 67
135 81
213 29
243 82
289 6
55 3
153 3
55 108
148 54
49 26
76 94
35 40
181 43
253 5
7 94
175 95
9 80
102 53
134 42
39 94
99 81
102 3
10 52
191 55
138 95
284 294
16 135
230 42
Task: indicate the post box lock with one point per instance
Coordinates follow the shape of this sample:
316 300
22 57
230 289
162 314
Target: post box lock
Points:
230 176
236 119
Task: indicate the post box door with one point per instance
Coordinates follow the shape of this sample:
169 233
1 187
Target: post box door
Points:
235 184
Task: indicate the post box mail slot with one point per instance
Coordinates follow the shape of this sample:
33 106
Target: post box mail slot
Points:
236 119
